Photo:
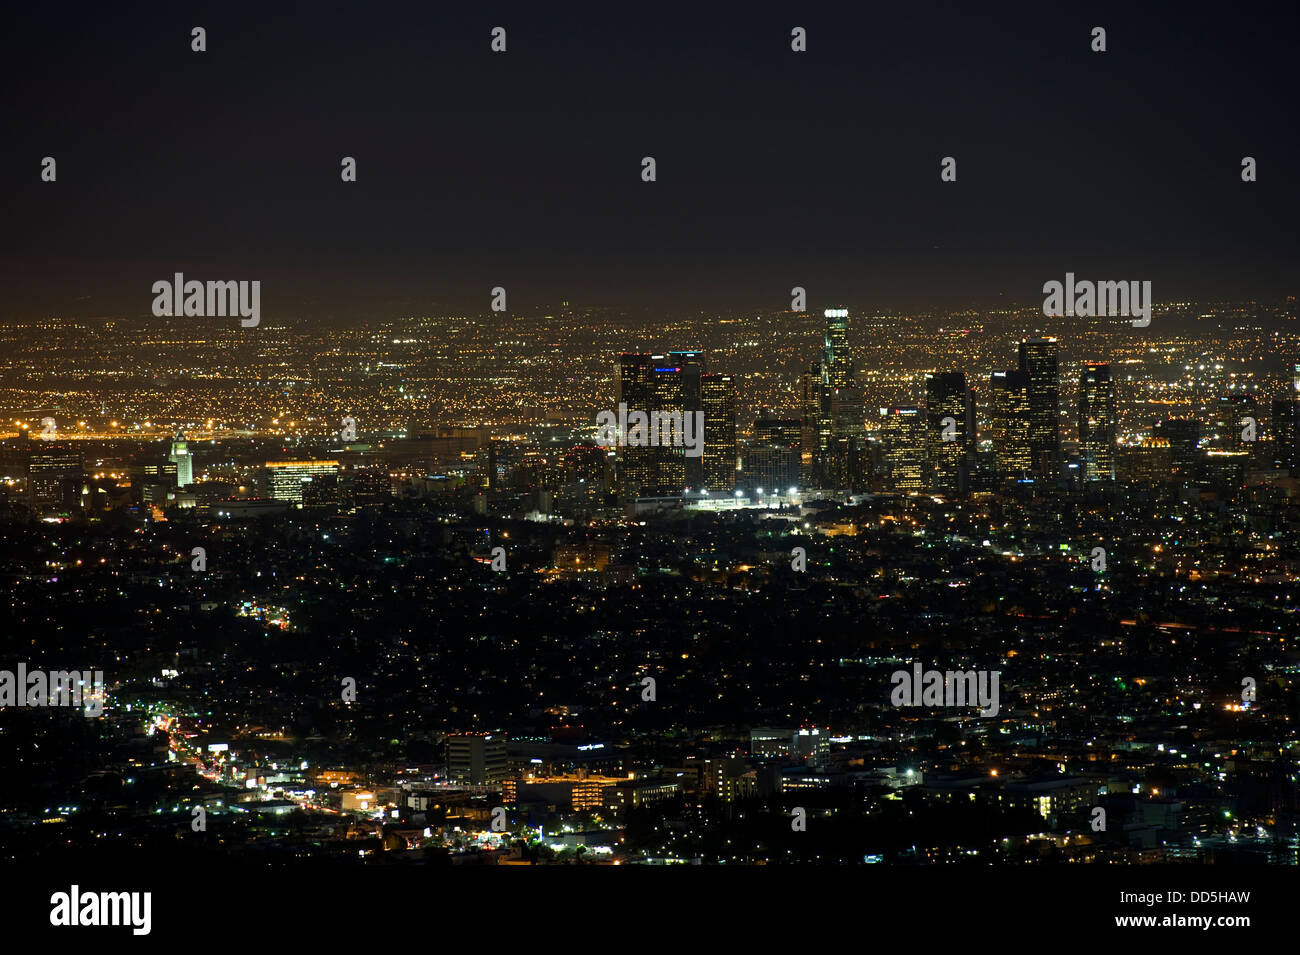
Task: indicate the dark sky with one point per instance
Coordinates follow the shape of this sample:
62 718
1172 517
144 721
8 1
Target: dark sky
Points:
522 169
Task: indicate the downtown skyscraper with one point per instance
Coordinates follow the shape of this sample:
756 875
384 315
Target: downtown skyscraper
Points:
718 396
1009 425
949 431
1097 423
1038 360
676 383
903 435
636 389
837 362
834 422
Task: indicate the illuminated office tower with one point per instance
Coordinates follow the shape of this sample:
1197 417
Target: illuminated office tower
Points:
1038 359
949 445
772 460
285 479
54 473
1286 426
634 379
691 365
1097 422
180 456
635 390
815 409
1286 432
837 363
904 454
718 395
1233 418
1009 425
669 396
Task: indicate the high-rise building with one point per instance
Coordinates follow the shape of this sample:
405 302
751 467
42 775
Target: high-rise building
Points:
636 391
1038 359
1286 432
718 396
285 479
1009 423
833 448
1183 438
55 470
691 364
904 449
772 461
949 431
815 409
848 417
668 385
782 432
846 463
670 394
769 467
180 456
837 362
1237 425
476 758
1097 421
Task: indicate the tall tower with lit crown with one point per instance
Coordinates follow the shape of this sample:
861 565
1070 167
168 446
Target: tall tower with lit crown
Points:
180 456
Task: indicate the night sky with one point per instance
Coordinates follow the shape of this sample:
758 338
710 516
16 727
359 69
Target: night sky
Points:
522 169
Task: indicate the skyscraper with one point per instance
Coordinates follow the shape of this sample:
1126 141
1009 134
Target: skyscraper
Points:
691 364
815 409
670 395
1038 359
635 389
847 461
949 431
1009 423
718 396
180 456
1097 423
1286 432
904 452
1183 437
668 384
772 460
1236 422
837 363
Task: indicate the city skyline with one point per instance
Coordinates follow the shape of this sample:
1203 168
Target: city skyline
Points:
845 440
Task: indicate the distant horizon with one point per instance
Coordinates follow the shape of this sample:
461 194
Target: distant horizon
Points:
535 310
